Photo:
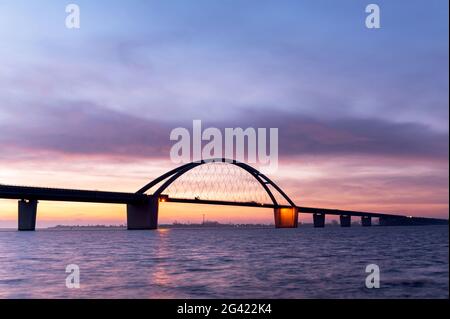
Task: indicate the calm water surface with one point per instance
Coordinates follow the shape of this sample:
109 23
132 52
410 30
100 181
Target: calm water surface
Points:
227 263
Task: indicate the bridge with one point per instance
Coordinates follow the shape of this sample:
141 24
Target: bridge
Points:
209 182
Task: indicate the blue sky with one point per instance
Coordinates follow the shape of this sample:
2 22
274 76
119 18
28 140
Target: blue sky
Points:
308 57
170 61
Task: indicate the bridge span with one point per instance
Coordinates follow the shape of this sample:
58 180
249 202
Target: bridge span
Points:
142 208
141 212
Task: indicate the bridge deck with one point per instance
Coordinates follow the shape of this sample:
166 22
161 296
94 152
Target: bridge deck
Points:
301 209
68 195
93 196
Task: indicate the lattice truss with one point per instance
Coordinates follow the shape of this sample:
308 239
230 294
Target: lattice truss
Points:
222 182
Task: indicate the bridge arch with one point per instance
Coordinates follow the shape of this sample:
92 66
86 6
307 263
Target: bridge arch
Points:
170 177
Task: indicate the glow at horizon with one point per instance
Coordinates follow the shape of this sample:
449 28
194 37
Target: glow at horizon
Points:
362 114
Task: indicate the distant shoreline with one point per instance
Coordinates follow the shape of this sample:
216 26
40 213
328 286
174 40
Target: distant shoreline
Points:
169 226
162 226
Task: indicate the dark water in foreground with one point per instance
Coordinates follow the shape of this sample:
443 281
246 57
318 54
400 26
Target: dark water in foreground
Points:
227 263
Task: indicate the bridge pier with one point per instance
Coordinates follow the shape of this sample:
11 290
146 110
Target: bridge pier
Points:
143 215
366 221
286 217
27 214
319 220
345 220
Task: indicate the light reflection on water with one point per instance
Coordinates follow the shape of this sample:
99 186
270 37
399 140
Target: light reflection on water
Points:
226 263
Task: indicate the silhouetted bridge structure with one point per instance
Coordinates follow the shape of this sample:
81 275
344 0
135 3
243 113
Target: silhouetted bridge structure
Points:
142 208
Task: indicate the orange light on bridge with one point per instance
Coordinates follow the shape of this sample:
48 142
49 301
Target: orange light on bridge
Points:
286 217
163 198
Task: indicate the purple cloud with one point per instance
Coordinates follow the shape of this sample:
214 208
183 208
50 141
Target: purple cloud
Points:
88 129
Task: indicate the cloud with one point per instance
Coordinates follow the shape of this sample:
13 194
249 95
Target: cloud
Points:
85 129
88 129
302 135
353 136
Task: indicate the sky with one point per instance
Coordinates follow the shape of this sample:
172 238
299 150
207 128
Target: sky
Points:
362 113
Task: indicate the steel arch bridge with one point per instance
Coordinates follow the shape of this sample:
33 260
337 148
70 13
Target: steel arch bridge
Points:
244 184
165 181
285 213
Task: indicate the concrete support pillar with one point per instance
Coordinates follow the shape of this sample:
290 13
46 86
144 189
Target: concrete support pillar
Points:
143 215
286 217
345 220
27 214
319 220
366 221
